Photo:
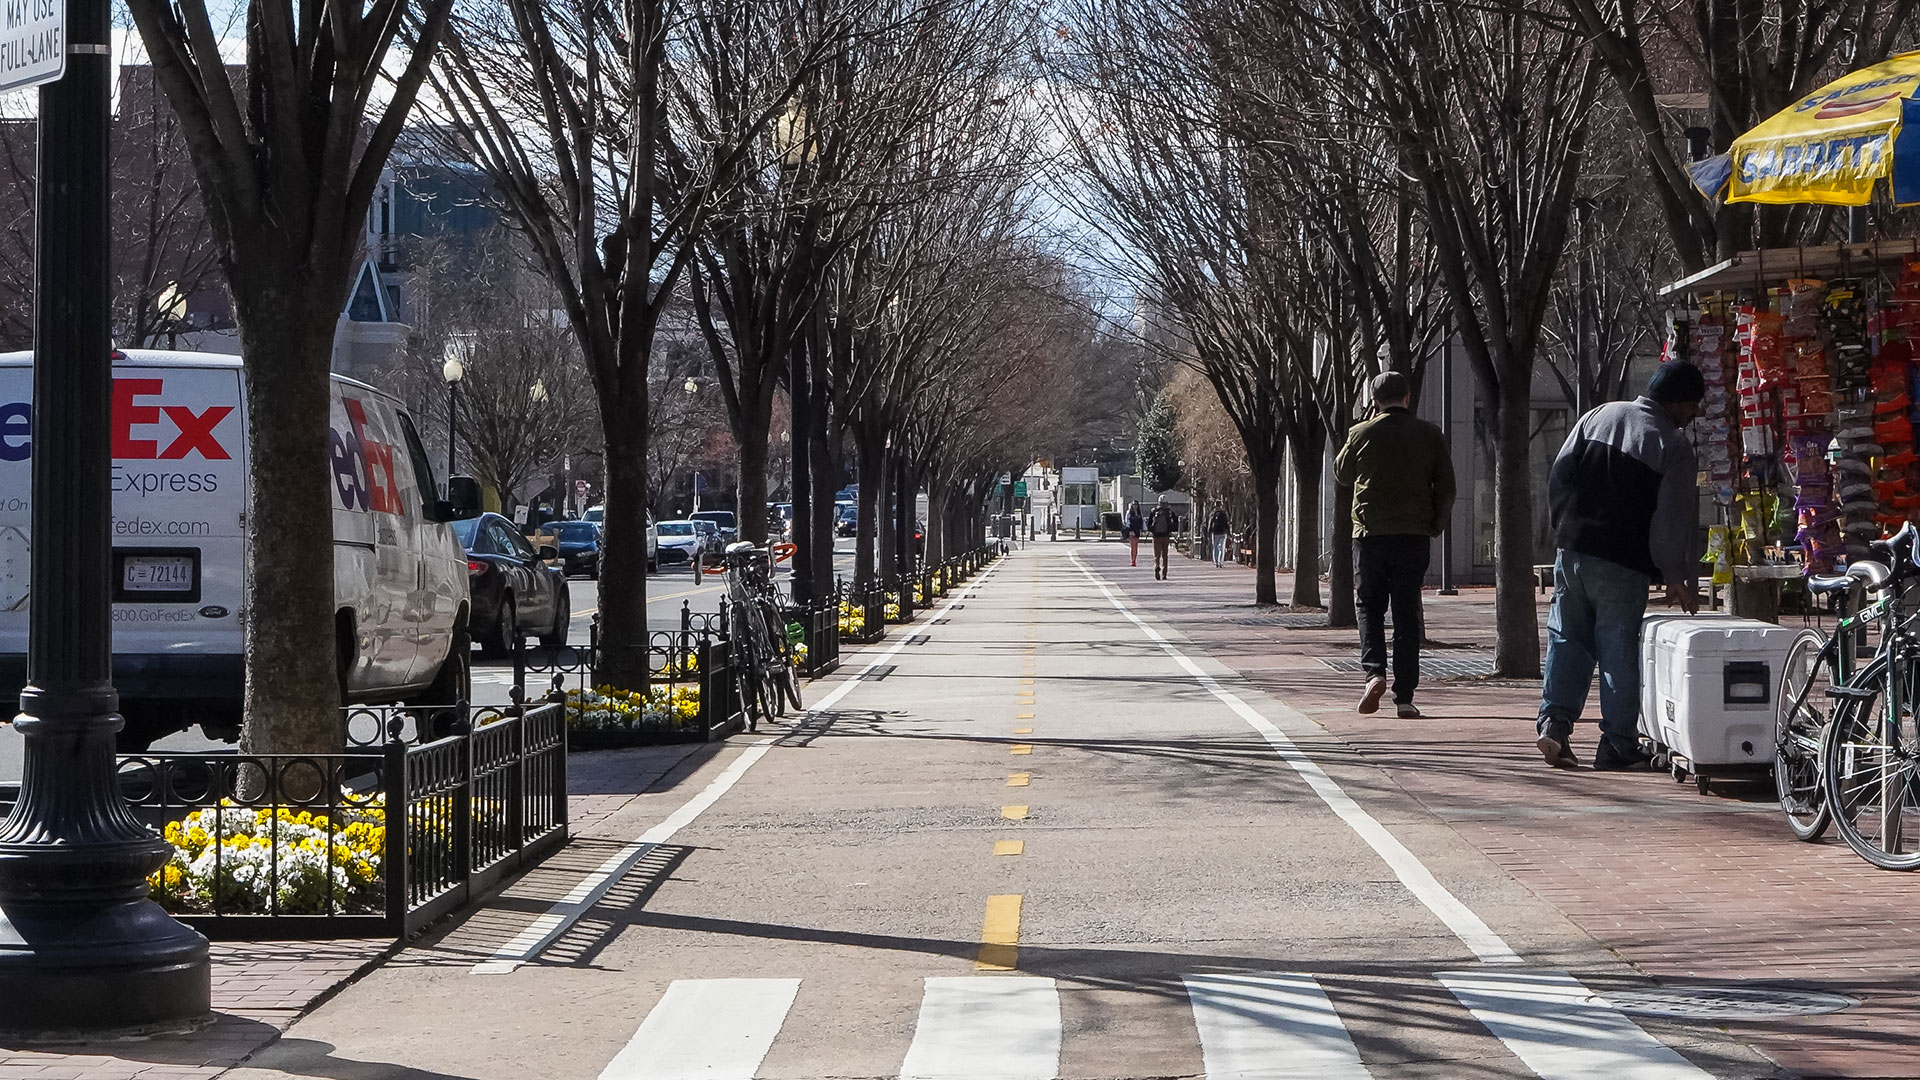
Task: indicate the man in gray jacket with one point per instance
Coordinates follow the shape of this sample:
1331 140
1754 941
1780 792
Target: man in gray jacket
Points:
1626 514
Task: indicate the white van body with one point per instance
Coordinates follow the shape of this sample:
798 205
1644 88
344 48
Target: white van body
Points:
180 481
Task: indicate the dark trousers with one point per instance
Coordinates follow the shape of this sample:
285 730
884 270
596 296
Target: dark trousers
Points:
1387 573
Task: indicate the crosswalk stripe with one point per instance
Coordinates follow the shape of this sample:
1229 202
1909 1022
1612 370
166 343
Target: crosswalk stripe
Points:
706 1029
986 1028
1270 1026
1548 1020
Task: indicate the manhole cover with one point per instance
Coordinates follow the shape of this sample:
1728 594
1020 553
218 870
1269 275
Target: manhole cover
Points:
1724 1002
1429 668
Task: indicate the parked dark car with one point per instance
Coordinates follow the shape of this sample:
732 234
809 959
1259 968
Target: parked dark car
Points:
846 519
579 548
723 522
512 586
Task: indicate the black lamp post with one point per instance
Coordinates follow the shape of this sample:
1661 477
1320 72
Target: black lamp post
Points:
452 371
82 948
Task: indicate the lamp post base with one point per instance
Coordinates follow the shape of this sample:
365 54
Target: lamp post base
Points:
121 969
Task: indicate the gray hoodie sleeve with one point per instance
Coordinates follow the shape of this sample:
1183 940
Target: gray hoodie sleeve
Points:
1673 534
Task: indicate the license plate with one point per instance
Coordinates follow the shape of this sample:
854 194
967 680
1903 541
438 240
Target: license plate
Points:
156 573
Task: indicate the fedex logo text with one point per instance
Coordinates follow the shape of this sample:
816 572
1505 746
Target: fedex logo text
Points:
143 429
363 473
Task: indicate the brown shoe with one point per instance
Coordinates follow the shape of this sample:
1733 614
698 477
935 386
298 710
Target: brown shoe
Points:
1370 701
1558 754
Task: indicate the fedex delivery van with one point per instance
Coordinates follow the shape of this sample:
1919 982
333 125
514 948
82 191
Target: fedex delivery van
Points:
180 481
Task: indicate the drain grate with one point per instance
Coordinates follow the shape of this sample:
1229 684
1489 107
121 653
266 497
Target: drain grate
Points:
1304 620
1434 668
878 673
918 639
1724 1002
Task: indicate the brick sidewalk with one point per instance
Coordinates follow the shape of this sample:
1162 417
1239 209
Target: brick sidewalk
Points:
1685 887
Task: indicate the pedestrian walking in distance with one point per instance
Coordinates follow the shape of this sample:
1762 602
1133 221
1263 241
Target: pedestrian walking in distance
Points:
1218 529
1161 524
1401 473
1131 528
1626 514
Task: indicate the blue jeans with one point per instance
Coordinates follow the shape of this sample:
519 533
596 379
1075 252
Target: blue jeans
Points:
1597 608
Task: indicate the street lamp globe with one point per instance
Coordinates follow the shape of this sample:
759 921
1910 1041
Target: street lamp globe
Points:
453 370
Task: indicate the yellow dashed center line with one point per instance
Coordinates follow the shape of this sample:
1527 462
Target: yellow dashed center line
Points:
1019 779
1021 748
1000 934
1014 813
1009 847
1023 731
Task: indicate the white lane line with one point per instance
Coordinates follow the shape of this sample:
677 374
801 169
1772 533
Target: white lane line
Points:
1271 1026
987 1027
706 1029
1468 927
1550 1022
545 930
548 928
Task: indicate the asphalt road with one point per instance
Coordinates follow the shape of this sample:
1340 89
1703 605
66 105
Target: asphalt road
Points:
1032 836
667 590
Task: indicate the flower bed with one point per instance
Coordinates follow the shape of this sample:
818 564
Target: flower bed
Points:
238 860
853 620
604 709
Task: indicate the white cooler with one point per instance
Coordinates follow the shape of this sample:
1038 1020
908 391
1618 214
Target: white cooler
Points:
1707 684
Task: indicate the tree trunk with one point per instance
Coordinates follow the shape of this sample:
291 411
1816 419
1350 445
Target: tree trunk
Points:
885 520
871 453
623 547
299 650
936 522
752 509
1516 622
1266 529
1340 554
825 481
1309 463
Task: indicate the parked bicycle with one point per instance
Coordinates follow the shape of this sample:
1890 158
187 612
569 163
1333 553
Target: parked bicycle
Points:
1868 767
1804 707
759 634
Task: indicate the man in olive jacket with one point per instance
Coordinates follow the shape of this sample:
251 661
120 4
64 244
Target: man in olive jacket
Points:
1402 479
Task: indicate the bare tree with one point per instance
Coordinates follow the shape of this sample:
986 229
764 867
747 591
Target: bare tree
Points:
288 159
591 122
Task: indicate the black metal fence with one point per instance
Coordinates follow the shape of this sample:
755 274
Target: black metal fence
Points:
694 692
380 840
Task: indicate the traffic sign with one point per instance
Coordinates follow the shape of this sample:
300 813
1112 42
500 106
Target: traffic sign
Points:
1020 490
33 42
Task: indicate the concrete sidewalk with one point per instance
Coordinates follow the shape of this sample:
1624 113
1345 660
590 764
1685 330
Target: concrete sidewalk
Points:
1685 887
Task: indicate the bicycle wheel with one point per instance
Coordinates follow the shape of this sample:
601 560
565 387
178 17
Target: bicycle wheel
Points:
1801 713
770 691
792 685
1869 777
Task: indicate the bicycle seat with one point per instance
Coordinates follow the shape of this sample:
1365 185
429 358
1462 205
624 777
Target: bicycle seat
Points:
739 546
1873 575
1820 584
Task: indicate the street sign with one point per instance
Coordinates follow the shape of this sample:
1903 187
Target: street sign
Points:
580 490
33 42
1020 490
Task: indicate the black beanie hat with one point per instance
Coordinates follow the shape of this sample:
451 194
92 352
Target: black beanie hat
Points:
1676 381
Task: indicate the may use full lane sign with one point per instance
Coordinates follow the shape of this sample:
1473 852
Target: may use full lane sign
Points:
33 42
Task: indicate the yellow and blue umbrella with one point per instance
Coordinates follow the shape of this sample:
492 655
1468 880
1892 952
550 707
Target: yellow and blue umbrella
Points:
1831 146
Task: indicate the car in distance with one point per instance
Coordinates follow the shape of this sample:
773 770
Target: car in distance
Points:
579 545
846 518
723 520
711 543
680 541
513 588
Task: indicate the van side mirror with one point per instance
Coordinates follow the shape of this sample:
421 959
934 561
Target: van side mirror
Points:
463 497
